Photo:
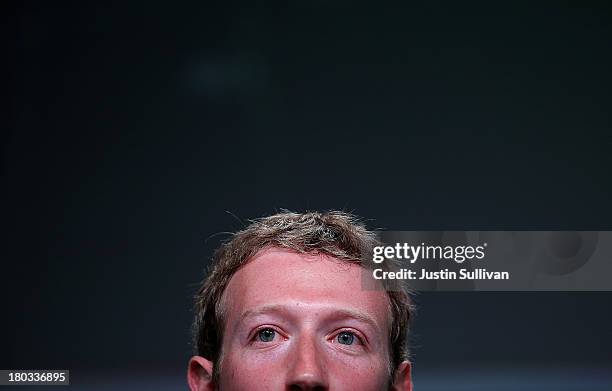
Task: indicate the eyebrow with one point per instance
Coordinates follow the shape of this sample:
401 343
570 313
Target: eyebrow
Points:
340 313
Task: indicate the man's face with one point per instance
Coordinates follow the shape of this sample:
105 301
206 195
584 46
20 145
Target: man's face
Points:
299 322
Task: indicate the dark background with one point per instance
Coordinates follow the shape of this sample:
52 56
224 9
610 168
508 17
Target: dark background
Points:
139 130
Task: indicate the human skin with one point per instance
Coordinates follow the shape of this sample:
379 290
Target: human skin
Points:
302 322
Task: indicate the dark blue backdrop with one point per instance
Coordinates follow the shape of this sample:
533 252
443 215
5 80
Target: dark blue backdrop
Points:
133 127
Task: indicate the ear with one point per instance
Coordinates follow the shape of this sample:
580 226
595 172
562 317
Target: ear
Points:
200 374
403 377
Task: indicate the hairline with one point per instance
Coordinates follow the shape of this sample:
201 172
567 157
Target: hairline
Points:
221 307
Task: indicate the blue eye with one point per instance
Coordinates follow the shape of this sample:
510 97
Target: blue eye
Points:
266 335
346 338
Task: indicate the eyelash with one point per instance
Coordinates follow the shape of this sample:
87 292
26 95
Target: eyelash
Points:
253 338
360 338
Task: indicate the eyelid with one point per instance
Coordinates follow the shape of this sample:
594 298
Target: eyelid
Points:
256 330
360 336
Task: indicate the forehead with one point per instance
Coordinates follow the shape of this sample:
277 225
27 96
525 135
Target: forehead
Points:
278 277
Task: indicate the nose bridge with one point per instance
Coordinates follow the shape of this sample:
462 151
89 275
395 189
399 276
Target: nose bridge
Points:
307 370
